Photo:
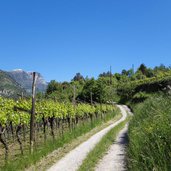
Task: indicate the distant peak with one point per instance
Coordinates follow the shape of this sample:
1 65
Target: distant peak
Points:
17 70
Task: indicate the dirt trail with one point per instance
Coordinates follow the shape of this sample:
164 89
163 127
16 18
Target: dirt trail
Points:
114 160
73 160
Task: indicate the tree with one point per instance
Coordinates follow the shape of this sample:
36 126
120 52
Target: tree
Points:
143 69
148 72
53 86
78 77
65 85
87 89
124 72
138 75
161 68
105 74
117 76
94 87
100 94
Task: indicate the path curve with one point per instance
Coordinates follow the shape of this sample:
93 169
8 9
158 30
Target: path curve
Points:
73 160
115 157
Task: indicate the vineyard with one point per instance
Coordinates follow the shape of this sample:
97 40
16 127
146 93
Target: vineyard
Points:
52 120
131 88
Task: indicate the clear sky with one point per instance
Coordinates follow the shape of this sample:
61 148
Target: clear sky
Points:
61 37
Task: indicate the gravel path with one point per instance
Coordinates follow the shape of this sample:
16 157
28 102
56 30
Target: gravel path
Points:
115 157
73 160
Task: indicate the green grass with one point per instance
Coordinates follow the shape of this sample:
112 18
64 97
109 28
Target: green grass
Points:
150 135
22 162
98 152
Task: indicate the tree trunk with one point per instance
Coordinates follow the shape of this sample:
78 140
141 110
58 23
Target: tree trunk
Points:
73 123
51 120
62 127
96 115
8 131
76 120
44 128
24 133
12 130
2 130
18 138
69 122
91 118
58 120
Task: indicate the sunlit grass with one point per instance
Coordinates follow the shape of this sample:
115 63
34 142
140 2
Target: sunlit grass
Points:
150 135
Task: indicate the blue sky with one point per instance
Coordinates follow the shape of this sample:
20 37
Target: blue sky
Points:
61 37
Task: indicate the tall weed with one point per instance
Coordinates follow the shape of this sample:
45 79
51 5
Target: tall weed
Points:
150 135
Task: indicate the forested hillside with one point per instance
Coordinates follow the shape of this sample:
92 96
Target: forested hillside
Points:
117 87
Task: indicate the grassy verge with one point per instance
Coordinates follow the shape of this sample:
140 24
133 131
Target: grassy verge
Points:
98 152
22 162
150 135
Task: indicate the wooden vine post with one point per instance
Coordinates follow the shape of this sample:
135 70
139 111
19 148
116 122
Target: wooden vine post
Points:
32 118
91 100
74 101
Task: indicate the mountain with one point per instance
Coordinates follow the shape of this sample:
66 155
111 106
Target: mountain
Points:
9 87
25 79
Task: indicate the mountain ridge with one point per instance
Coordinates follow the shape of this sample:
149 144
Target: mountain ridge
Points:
24 78
16 82
9 87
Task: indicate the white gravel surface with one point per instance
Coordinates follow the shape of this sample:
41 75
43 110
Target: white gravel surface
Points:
73 160
114 160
